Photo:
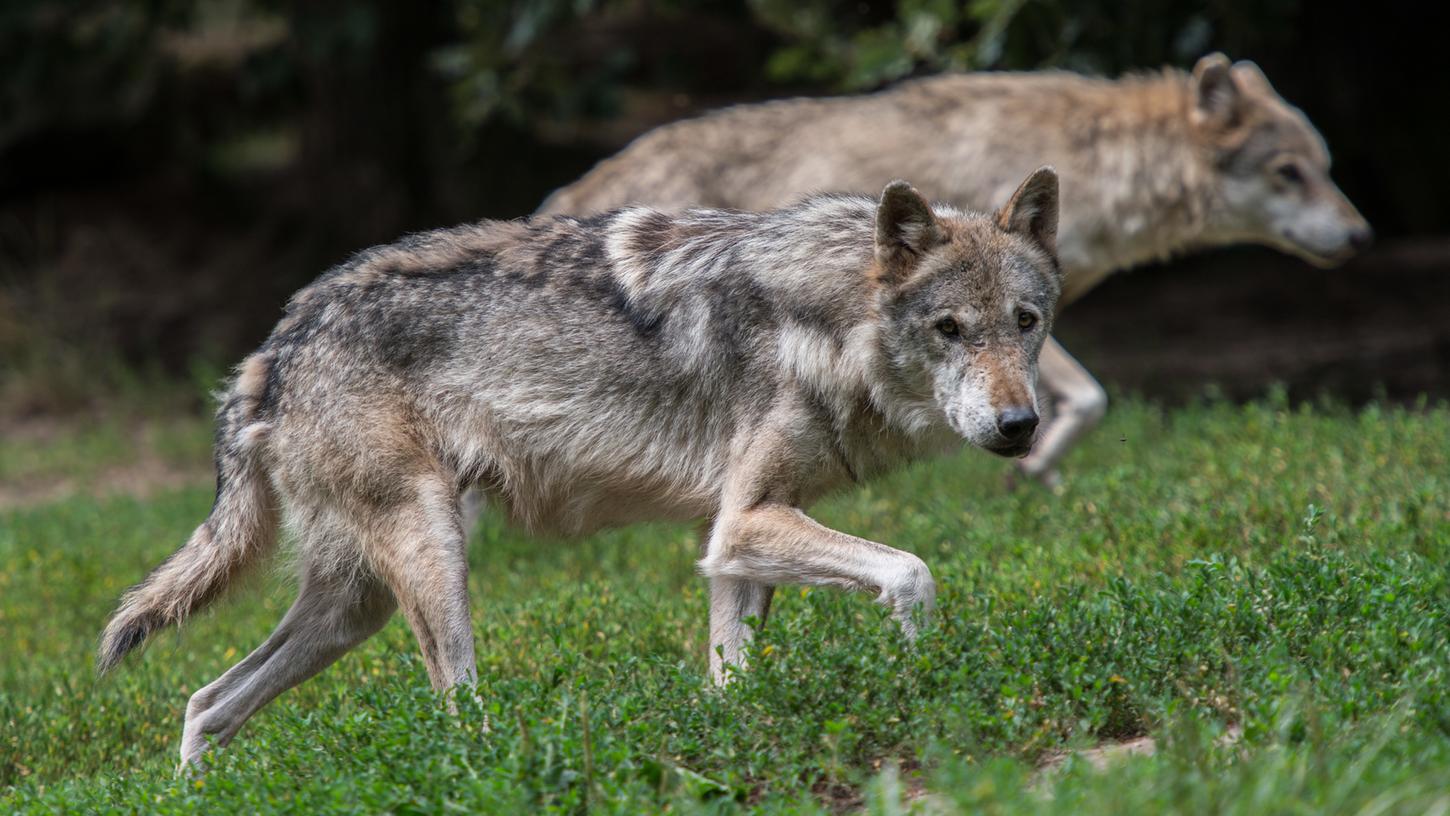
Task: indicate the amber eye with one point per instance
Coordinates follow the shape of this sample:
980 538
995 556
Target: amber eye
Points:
1026 320
948 327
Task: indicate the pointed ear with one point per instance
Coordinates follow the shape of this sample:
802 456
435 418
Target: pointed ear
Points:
1032 210
1249 76
1216 94
906 229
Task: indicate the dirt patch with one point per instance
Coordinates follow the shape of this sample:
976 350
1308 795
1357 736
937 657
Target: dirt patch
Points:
1102 756
46 459
137 479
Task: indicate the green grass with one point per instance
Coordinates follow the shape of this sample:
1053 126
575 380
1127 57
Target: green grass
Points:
1279 573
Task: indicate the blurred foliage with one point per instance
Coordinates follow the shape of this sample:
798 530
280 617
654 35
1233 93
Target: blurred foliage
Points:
85 61
502 60
850 47
509 57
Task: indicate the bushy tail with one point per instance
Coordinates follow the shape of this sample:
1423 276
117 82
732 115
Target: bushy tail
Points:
240 530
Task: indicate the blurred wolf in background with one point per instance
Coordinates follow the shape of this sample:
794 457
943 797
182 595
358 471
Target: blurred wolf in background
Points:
592 372
1151 165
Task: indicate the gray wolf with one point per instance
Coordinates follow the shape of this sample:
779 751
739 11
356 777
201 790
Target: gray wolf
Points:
1151 165
636 365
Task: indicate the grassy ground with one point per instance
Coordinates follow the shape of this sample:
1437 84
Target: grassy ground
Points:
1263 590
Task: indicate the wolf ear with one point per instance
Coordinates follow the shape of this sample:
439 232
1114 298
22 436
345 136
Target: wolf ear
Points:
1216 94
906 229
1032 210
1249 76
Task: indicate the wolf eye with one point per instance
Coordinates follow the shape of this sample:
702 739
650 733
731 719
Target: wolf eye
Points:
1026 320
1289 173
948 327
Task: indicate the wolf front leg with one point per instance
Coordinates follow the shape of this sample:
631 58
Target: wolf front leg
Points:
776 544
733 603
1079 403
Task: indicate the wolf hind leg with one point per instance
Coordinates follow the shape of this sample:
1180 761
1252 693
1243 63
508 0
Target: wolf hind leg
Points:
331 615
420 551
1079 404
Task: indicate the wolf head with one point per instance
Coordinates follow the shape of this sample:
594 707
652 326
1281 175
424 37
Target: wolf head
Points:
1272 167
967 304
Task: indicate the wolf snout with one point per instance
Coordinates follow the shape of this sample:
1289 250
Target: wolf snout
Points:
1354 240
1361 237
1017 423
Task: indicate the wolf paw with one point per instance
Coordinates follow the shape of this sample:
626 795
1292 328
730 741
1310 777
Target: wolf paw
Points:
909 589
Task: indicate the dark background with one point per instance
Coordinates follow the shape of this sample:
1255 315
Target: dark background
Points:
171 171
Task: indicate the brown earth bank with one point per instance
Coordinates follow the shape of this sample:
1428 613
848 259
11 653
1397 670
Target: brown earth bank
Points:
1243 320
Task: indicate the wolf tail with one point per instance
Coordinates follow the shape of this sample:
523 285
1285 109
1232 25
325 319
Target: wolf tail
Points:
239 532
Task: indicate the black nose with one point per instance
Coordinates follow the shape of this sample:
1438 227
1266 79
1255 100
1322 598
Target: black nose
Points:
1361 238
1017 423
